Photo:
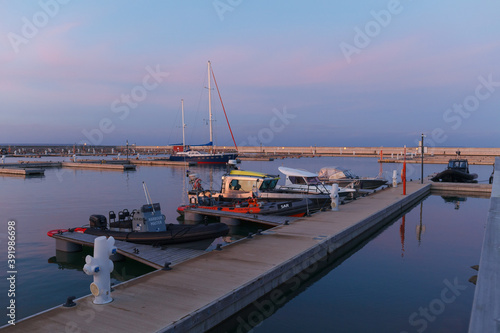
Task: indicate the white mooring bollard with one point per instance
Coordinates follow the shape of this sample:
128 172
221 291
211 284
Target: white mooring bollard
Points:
334 195
394 178
101 267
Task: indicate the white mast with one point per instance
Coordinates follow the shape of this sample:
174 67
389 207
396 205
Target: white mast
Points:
183 125
210 104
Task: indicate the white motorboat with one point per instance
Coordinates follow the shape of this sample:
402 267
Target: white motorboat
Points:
303 181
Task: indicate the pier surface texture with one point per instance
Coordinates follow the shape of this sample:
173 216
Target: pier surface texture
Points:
485 315
200 293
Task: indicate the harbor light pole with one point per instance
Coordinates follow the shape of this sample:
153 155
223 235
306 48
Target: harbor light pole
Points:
422 159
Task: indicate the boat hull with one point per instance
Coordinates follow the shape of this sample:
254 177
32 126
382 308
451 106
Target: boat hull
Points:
455 176
365 184
204 159
175 234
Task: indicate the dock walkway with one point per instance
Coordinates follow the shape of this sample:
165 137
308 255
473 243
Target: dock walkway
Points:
200 293
147 254
485 316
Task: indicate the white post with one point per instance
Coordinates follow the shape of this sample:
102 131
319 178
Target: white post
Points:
74 158
394 178
101 267
334 195
3 159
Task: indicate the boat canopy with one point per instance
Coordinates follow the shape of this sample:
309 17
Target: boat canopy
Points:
336 173
250 173
300 177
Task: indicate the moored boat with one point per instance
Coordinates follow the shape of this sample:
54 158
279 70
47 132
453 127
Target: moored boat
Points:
456 172
147 226
203 157
243 185
346 178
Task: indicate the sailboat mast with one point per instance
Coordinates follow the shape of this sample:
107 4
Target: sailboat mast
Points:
210 103
183 125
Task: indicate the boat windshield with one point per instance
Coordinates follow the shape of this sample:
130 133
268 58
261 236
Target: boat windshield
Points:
268 184
313 181
241 185
297 180
457 164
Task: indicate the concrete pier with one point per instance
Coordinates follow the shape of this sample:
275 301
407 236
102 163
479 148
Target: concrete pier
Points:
485 315
200 293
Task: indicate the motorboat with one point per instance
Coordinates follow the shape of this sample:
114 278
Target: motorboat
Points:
456 172
346 178
242 185
147 226
303 181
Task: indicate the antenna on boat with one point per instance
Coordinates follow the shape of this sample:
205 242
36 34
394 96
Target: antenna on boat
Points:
148 197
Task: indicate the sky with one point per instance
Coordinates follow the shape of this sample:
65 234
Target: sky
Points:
290 73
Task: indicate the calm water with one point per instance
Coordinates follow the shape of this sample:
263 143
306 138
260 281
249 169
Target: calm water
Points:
382 283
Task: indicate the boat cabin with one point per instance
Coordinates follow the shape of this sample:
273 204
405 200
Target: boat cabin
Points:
460 165
239 183
300 177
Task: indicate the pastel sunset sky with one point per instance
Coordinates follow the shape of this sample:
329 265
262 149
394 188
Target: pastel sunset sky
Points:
298 73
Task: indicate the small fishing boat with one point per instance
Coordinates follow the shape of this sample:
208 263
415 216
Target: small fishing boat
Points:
346 178
456 172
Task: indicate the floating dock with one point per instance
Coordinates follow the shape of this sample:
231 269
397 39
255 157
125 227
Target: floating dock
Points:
22 171
200 293
155 257
99 166
197 214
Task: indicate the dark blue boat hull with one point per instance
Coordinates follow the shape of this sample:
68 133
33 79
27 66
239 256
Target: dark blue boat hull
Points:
205 159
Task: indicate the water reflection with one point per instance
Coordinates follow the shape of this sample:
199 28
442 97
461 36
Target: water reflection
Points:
381 284
124 270
251 317
454 200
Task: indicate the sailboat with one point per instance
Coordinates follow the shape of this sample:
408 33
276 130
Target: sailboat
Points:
201 157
